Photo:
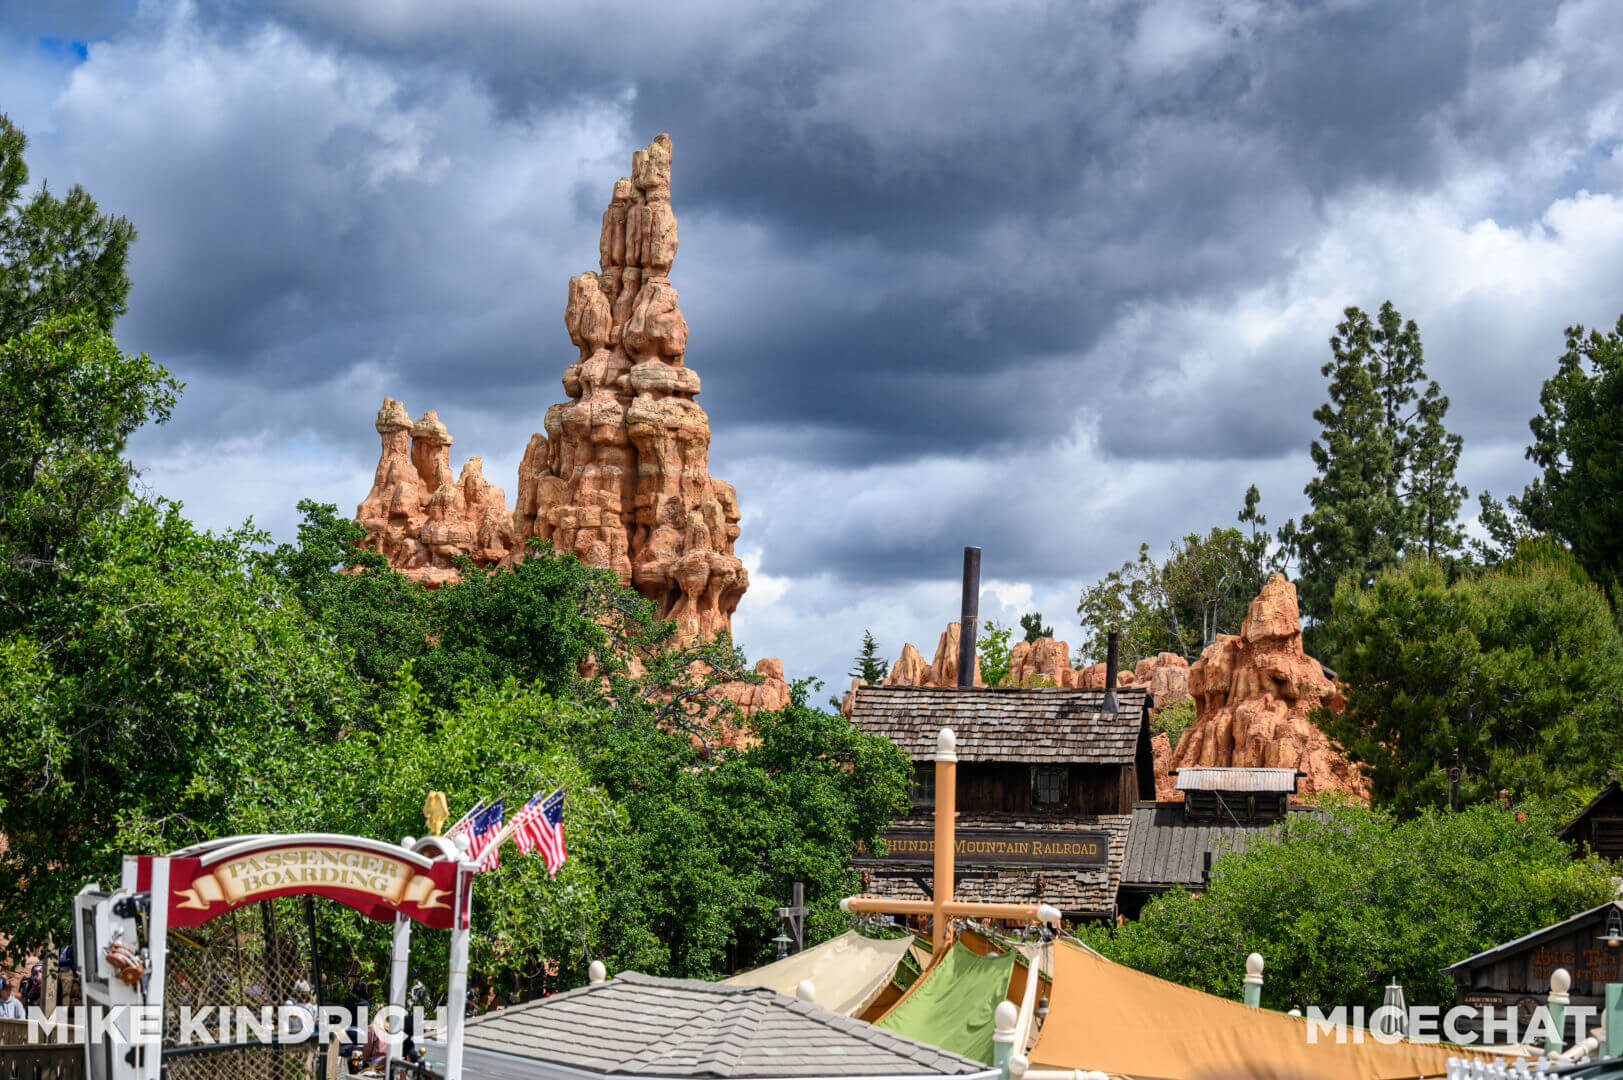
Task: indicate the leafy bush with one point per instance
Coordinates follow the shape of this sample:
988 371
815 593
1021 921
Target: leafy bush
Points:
1342 904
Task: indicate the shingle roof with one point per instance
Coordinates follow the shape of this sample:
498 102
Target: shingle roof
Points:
640 1025
1164 850
1216 778
1008 724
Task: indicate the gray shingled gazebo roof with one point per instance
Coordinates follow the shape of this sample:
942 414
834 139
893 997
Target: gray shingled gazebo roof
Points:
643 1026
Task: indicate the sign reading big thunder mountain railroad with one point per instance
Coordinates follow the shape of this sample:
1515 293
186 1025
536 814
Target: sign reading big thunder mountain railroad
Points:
996 847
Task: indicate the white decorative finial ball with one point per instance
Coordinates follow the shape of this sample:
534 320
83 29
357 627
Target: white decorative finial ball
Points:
597 972
1560 980
1048 915
946 745
1253 964
1005 1016
806 991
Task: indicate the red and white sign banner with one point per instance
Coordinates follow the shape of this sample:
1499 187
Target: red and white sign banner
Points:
379 880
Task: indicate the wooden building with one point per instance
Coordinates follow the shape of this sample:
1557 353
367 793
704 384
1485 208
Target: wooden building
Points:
1598 826
1046 785
1517 973
1173 844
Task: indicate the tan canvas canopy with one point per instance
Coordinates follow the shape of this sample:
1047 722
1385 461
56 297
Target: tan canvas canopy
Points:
848 971
1105 1016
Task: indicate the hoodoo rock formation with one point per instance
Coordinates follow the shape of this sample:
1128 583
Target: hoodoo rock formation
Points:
1253 692
1044 662
420 518
620 475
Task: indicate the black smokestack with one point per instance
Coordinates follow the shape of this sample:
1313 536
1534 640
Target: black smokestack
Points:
1112 659
967 618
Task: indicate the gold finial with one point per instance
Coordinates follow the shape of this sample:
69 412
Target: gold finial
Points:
435 812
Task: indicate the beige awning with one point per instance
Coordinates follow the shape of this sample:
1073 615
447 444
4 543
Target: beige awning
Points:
1105 1016
848 971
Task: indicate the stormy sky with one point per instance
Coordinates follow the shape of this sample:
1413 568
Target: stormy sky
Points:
1050 278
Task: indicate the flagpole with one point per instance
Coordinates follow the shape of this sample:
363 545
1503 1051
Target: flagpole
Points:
466 817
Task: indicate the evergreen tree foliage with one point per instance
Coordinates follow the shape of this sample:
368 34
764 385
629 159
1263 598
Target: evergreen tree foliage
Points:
57 255
869 665
1578 446
1518 669
1385 462
1032 623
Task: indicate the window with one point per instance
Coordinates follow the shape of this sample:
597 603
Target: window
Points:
1048 788
923 793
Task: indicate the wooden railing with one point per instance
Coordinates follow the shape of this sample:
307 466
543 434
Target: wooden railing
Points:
42 1061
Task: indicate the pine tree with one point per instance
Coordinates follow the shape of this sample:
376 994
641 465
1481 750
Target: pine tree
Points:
870 666
1032 623
1386 463
56 255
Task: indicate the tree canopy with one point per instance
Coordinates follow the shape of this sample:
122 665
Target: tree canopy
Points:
57 255
1518 670
1578 446
1342 904
1385 462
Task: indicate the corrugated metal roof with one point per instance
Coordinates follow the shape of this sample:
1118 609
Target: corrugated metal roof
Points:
1215 778
640 1025
1165 850
1007 724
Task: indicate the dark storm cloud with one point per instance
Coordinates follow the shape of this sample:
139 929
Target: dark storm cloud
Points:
1054 276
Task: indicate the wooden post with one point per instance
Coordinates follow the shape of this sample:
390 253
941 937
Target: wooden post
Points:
1253 980
946 813
1004 1019
1560 983
942 905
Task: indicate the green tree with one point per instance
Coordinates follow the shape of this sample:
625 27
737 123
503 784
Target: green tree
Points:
1201 589
1519 669
1578 444
1032 623
993 652
1385 462
154 687
56 255
71 400
869 666
1341 905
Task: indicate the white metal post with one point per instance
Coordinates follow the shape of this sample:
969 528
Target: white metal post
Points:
457 990
157 948
399 968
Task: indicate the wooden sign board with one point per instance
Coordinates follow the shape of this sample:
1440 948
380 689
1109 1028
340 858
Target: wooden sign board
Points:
995 847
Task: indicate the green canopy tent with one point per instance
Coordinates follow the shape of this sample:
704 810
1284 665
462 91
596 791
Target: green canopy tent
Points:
951 1005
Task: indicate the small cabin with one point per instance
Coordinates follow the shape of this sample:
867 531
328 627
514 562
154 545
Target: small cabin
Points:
1173 844
1598 826
1516 975
1047 779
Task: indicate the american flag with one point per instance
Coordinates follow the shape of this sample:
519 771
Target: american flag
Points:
465 822
486 828
540 825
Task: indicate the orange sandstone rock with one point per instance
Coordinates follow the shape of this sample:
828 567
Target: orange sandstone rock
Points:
621 474
1252 695
421 517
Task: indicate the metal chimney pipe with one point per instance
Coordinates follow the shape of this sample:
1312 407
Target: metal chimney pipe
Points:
966 620
1112 659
